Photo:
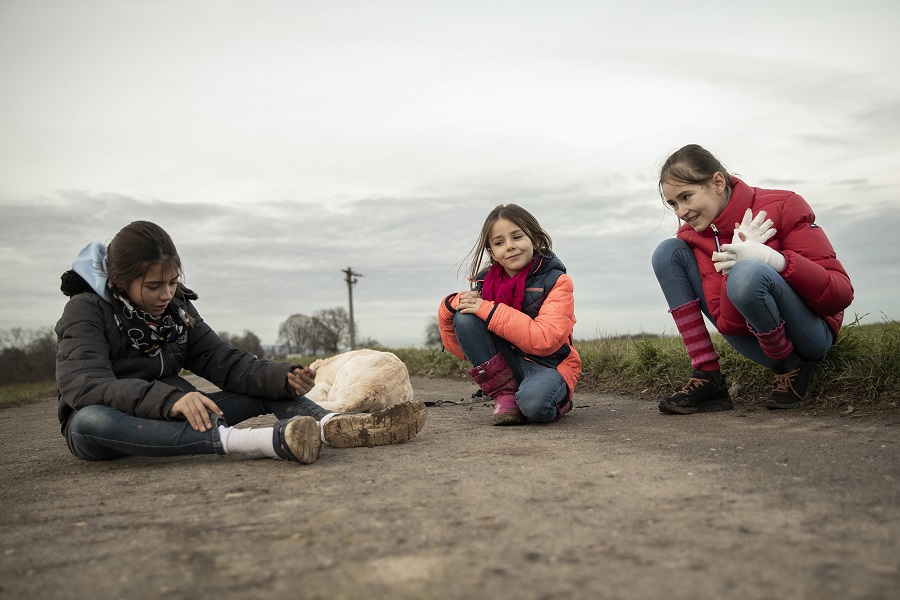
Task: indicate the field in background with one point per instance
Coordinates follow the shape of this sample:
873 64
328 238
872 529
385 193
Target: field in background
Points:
11 395
862 369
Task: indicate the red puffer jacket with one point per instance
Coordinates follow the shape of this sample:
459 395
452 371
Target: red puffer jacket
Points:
811 269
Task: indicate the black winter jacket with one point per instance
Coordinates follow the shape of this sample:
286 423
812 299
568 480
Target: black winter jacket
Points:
96 364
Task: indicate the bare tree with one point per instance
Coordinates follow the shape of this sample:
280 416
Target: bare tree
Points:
332 329
27 355
16 337
297 334
248 342
433 333
326 332
370 343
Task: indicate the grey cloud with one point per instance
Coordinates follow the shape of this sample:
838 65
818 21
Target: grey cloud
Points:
854 183
880 118
254 264
778 184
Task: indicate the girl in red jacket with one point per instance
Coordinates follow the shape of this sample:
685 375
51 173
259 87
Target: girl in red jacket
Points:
515 325
757 265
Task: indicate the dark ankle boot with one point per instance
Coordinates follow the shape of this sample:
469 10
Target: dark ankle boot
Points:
792 378
496 379
706 391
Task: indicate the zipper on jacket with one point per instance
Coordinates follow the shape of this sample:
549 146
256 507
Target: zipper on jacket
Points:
716 237
162 363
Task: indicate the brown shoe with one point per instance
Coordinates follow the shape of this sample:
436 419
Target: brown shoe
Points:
297 439
392 425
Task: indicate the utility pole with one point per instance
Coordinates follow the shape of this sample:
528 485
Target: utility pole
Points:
351 280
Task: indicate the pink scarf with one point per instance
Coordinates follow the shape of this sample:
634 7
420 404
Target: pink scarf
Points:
500 287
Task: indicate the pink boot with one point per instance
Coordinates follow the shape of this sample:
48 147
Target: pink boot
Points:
496 379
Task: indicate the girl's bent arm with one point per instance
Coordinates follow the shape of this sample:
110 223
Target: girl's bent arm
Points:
231 369
84 372
812 267
446 310
542 335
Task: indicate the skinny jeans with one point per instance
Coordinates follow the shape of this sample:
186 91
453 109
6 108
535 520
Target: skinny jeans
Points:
542 390
756 290
100 432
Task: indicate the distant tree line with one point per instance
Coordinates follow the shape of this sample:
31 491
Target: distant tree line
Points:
27 355
248 342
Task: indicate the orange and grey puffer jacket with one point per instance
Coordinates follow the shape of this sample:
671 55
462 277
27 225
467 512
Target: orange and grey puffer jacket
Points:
541 331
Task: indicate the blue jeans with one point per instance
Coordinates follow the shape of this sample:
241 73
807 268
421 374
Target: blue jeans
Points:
99 432
541 389
756 290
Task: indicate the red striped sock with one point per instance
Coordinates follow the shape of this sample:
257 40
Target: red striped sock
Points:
696 338
775 344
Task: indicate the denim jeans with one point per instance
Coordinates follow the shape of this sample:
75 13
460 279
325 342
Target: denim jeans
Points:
756 290
99 432
541 389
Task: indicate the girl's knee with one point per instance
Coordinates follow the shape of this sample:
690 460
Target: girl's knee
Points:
538 413
91 420
662 255
745 281
539 408
87 428
464 323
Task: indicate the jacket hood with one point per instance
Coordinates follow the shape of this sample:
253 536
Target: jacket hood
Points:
90 267
88 274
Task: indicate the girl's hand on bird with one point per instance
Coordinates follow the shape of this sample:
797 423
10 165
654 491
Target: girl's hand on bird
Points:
302 380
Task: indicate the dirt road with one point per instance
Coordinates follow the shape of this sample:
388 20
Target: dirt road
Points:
615 501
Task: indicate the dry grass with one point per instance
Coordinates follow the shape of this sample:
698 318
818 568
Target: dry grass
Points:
862 369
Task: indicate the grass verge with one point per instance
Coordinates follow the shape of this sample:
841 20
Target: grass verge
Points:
862 370
11 395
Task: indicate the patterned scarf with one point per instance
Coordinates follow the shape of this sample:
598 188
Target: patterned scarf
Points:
500 287
146 332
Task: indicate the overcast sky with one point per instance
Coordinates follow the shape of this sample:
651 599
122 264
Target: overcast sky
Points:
280 142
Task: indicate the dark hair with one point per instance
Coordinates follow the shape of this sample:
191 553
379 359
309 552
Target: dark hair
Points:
137 247
691 164
523 219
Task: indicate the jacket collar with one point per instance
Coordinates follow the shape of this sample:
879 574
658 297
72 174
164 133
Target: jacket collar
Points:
741 199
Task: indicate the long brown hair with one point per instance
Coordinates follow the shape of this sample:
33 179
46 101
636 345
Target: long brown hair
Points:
136 248
523 219
691 164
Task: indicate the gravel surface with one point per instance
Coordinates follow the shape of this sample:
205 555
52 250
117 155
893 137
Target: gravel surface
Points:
614 501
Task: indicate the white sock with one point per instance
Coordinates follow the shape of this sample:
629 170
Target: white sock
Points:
253 443
322 422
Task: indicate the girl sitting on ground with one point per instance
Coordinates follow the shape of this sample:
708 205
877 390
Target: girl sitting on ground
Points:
515 325
129 329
